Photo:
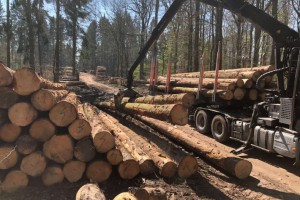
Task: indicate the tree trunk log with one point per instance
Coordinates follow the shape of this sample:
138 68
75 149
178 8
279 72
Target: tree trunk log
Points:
34 164
42 130
84 150
7 97
114 156
65 111
22 114
80 128
148 193
53 175
6 75
228 162
44 100
9 132
174 113
125 195
239 94
186 99
59 148
103 140
74 170
99 171
8 157
26 144
90 192
14 180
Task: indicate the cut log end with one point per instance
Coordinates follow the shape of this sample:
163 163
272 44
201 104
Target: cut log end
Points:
84 150
125 196
7 97
187 166
14 180
26 144
239 94
26 81
114 157
169 170
79 129
22 114
8 156
188 100
90 192
42 130
104 141
242 169
34 164
9 132
179 115
149 193
53 175
99 171
63 114
129 169
147 167
6 75
74 170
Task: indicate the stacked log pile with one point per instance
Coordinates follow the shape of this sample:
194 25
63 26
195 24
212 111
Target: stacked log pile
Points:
101 74
233 84
68 75
46 132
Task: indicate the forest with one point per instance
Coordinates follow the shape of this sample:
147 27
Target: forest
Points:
48 35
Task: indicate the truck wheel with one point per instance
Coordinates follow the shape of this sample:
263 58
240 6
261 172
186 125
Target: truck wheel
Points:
203 120
219 129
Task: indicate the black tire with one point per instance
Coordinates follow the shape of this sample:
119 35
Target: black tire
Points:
219 129
202 121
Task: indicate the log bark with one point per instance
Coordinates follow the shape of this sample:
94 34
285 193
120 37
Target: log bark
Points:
186 99
53 175
22 114
46 84
59 148
80 128
222 94
6 75
230 163
239 94
9 132
14 180
65 111
174 113
34 164
44 99
146 164
114 156
90 191
7 97
8 157
125 196
42 130
103 140
84 150
98 171
149 193
26 144
74 170
252 94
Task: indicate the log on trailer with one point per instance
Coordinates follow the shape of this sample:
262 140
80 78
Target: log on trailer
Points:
174 113
228 162
90 191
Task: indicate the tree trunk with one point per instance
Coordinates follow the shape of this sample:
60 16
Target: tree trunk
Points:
53 175
80 128
34 164
228 162
14 180
219 35
8 156
197 32
275 15
190 38
257 36
148 193
125 195
57 44
6 75
9 132
22 114
44 99
175 113
90 191
8 33
7 97
99 171
84 150
26 144
64 112
74 170
60 148
42 130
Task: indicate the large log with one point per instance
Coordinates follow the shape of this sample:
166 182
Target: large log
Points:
53 175
248 83
22 114
114 156
44 99
59 148
34 164
103 140
9 132
125 196
14 180
80 128
222 94
252 94
84 150
146 164
239 94
186 99
99 171
228 162
3 116
8 157
149 193
7 97
74 170
26 144
6 75
42 129
65 111
174 113
90 191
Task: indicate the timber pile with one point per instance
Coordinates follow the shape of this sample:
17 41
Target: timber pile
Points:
233 84
101 74
46 132
67 74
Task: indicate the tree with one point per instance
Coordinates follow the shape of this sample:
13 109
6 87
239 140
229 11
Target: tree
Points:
8 33
57 43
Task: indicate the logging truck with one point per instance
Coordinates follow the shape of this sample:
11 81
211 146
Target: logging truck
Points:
273 124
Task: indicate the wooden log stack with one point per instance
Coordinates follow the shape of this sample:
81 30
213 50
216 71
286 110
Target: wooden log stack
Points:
101 73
